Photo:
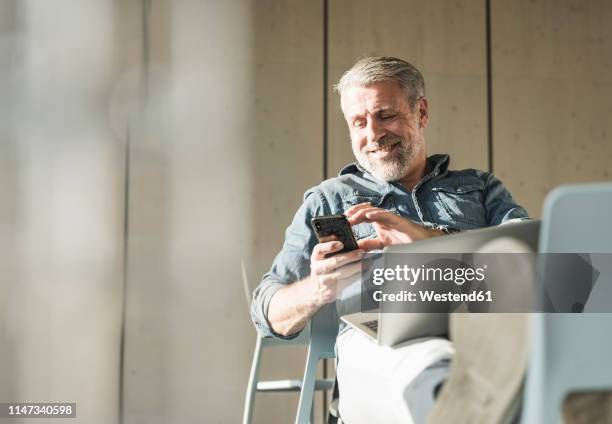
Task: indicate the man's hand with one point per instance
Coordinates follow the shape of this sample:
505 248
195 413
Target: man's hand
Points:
292 306
328 273
390 228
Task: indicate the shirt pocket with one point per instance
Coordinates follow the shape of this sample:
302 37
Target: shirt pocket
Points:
463 202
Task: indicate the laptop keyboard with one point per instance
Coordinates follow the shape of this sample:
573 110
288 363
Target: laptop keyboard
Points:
372 325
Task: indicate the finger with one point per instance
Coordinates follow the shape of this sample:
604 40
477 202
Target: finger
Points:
380 216
323 266
350 211
323 249
325 239
389 221
362 215
328 265
358 215
370 244
349 257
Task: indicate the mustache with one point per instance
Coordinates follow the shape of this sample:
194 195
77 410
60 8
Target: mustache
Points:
383 142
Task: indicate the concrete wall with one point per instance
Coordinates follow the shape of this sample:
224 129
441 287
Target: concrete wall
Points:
552 95
148 148
62 214
230 139
445 41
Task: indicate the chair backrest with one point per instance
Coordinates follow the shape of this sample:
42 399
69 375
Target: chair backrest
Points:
576 219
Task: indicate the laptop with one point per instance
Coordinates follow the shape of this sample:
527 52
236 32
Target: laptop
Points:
390 329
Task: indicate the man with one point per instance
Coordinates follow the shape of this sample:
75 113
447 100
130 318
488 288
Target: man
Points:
394 194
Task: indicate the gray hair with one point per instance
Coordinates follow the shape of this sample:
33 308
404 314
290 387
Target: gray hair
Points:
370 70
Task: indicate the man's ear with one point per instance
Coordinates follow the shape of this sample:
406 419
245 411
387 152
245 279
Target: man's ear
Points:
423 108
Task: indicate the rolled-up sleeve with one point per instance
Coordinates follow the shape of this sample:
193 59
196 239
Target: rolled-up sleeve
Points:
291 264
500 205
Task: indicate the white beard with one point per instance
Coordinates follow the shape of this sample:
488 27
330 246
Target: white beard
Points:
392 168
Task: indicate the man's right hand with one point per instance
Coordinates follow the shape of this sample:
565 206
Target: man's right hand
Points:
292 306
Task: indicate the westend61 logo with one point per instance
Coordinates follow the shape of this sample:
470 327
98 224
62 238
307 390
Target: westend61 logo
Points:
412 275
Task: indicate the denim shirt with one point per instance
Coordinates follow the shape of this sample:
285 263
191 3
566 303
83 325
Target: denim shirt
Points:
460 200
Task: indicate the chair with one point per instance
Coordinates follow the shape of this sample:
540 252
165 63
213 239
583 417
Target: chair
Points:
290 385
323 332
571 352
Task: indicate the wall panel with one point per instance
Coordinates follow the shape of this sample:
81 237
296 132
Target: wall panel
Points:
146 392
552 95
62 313
231 138
287 155
10 80
445 41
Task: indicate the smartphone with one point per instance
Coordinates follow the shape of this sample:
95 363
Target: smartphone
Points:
337 225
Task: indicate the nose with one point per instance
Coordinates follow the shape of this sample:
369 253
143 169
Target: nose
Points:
375 131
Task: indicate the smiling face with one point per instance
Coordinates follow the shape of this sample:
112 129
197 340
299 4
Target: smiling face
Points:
386 133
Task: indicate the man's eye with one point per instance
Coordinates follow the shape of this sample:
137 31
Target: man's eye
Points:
386 117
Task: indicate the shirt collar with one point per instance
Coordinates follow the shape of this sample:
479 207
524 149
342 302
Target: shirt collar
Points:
437 165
